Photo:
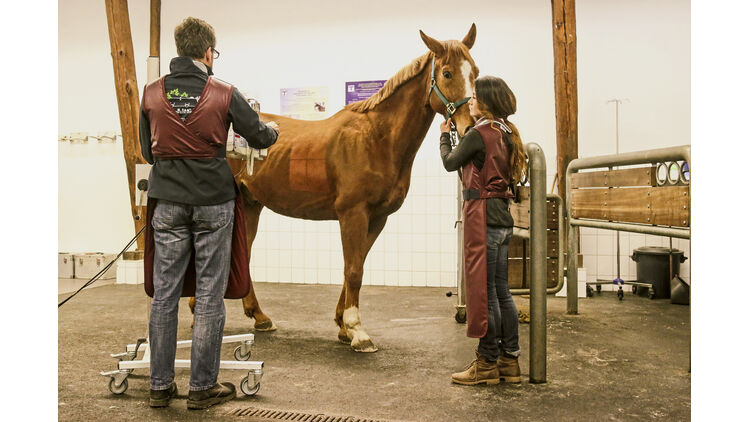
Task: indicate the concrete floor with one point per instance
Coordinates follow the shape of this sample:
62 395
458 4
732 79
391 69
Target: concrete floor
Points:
615 361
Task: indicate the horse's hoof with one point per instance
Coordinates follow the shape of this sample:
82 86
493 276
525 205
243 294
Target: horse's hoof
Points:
267 325
364 346
344 338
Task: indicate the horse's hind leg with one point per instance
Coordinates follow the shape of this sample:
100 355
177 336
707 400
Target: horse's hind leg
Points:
250 303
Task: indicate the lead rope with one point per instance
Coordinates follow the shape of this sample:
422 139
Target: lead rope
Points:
103 270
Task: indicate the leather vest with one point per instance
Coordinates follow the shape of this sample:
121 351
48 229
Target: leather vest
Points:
493 180
203 135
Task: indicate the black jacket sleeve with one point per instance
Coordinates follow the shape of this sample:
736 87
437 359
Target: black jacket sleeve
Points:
467 149
246 122
144 133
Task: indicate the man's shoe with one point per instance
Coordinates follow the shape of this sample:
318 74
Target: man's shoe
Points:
477 372
508 369
219 393
160 398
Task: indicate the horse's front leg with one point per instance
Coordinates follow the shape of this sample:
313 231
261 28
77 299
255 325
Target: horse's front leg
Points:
354 229
375 227
250 303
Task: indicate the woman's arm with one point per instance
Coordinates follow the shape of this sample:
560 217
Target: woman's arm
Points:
467 148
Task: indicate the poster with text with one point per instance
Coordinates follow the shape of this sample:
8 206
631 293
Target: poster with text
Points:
304 103
361 90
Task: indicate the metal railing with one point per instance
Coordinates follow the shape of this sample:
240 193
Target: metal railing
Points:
638 157
524 234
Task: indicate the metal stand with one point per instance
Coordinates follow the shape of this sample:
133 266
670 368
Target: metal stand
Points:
249 385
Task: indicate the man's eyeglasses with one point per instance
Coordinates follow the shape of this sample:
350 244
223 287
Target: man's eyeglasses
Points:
216 53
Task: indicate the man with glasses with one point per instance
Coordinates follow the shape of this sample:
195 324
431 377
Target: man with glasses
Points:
184 120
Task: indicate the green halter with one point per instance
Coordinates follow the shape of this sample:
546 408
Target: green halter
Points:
450 108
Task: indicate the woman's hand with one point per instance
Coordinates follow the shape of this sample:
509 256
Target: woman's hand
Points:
445 126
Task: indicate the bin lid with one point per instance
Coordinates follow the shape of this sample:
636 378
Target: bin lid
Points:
656 250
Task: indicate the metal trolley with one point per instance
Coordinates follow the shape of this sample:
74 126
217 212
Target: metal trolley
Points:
127 362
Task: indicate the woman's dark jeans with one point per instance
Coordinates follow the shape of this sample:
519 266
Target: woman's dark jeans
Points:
502 318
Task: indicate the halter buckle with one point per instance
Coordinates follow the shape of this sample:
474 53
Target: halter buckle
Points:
450 108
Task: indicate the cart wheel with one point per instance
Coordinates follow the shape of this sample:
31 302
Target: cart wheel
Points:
115 389
620 294
599 288
589 291
651 294
635 289
461 315
245 387
238 354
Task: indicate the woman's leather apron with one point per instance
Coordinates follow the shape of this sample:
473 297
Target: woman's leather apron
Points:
492 181
201 136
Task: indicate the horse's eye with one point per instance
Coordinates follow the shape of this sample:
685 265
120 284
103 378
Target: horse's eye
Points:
447 74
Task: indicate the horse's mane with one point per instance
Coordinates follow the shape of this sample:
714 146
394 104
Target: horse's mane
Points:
402 76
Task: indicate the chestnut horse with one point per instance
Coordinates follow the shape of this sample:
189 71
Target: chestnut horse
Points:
355 167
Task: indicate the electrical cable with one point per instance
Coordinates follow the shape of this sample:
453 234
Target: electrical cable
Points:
103 270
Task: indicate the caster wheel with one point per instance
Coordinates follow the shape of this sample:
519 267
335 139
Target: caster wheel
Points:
115 389
620 294
599 288
635 289
651 294
238 354
589 291
246 389
461 316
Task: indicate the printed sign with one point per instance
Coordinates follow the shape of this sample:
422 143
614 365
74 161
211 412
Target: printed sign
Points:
304 103
361 90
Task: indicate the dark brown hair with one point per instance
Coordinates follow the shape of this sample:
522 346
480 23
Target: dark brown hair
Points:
496 101
193 37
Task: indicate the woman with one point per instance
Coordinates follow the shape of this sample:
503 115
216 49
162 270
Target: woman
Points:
491 158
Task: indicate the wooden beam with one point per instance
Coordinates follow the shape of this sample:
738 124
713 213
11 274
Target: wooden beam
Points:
566 86
155 28
126 88
639 176
665 205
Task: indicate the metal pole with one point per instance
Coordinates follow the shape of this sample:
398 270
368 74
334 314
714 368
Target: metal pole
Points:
461 277
538 283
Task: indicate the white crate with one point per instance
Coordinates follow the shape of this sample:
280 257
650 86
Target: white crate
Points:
88 265
581 285
65 267
130 272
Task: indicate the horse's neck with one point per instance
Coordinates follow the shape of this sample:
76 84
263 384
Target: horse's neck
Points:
404 119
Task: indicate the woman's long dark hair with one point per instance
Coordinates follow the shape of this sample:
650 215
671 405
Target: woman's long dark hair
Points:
496 101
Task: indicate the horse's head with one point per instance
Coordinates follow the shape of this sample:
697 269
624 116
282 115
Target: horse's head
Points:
452 73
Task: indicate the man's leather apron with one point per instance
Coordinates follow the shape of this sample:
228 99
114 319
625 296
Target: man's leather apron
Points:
202 136
492 181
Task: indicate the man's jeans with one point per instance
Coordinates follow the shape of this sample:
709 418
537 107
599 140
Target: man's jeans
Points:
177 228
502 318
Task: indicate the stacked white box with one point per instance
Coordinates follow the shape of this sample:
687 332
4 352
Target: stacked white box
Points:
130 272
88 265
65 265
581 285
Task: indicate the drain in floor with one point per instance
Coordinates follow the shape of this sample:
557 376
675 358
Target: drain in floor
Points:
284 415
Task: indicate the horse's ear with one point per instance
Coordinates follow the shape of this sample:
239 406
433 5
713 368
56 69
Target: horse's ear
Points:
434 45
470 37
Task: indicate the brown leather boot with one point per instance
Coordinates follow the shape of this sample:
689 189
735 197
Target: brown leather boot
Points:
477 372
508 369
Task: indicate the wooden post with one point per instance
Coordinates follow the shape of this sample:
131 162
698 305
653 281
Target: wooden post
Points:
155 28
128 101
566 86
